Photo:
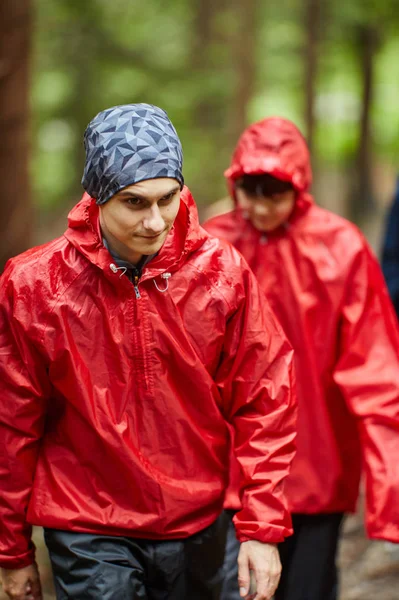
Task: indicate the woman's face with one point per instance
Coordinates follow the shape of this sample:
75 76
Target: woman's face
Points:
266 213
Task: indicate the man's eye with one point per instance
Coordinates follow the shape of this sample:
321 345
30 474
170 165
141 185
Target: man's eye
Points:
168 198
133 201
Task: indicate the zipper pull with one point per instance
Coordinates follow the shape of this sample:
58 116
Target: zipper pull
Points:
136 285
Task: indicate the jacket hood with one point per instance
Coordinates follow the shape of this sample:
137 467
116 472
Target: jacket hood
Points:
185 237
274 146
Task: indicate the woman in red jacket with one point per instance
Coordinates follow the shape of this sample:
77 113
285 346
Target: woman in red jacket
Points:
326 288
127 346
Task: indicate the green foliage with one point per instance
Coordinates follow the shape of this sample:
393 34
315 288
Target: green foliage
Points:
93 54
385 110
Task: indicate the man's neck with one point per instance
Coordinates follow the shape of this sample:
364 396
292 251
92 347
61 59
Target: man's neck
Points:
118 250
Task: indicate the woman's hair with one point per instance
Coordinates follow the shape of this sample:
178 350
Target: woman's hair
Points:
262 185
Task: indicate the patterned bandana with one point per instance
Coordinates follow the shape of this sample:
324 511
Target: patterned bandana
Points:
127 144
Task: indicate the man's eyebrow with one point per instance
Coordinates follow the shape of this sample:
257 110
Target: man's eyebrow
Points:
141 197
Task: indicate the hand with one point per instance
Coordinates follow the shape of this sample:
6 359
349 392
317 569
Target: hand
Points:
264 561
22 584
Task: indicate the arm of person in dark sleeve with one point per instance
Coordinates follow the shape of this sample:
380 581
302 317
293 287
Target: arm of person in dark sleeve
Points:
23 391
256 382
390 251
367 372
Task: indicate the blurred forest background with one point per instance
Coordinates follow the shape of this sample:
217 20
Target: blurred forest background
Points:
332 66
215 66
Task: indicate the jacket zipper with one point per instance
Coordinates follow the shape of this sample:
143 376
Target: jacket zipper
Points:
136 278
136 274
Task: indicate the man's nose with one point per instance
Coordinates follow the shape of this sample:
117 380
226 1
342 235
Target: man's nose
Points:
154 220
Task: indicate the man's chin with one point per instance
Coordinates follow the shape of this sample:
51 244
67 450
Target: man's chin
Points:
150 246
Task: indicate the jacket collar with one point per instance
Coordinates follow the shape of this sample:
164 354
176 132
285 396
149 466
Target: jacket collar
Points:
185 237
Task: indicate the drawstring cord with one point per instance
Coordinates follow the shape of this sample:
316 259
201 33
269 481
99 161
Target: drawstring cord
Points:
115 269
164 276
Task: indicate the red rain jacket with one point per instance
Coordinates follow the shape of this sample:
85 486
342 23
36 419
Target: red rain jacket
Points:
114 408
326 288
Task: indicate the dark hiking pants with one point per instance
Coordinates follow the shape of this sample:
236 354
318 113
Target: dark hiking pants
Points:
103 567
307 557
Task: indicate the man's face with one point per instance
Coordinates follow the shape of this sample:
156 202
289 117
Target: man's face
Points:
136 221
266 213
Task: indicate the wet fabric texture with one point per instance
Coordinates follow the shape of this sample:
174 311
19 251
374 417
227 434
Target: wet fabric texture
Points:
89 567
309 571
127 144
117 400
326 288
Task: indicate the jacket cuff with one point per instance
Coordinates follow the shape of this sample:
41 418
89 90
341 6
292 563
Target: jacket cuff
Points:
17 562
267 534
388 533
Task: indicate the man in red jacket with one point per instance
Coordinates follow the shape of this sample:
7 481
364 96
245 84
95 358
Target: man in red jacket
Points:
127 347
326 288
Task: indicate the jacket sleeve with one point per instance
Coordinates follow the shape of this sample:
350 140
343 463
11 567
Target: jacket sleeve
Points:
390 251
23 392
256 382
367 372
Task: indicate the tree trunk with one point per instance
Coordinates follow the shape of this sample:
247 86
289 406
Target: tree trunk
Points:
312 25
362 201
81 107
244 61
15 191
201 59
207 108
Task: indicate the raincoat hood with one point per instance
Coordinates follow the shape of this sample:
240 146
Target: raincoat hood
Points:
276 147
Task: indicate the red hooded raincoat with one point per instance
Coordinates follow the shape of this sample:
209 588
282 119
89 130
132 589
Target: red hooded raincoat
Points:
326 288
113 407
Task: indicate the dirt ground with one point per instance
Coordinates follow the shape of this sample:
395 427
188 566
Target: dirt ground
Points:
369 570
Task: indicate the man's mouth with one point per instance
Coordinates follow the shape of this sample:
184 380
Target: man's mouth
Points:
151 237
